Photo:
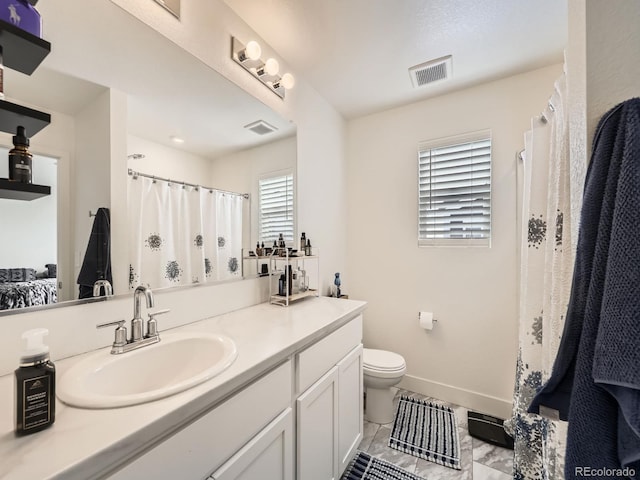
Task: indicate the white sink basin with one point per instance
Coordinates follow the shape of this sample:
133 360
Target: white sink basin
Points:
178 362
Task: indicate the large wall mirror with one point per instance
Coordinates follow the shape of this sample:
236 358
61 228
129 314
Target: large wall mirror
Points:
120 95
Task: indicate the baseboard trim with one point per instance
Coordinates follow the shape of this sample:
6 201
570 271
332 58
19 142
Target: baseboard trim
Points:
476 401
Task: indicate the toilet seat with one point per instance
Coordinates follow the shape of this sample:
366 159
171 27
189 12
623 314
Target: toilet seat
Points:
382 364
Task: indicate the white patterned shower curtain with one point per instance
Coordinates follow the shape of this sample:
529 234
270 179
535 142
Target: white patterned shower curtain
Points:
180 235
545 281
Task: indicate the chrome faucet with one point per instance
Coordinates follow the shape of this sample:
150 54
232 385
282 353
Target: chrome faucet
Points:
137 339
108 290
136 323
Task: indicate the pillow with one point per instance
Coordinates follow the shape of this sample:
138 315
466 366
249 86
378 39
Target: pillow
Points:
52 270
5 276
22 274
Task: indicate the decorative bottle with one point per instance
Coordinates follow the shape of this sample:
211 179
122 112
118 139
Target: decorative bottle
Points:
20 159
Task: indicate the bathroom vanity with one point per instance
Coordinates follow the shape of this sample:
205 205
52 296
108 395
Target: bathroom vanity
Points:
290 406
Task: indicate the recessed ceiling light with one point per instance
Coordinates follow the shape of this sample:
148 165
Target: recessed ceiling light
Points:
177 139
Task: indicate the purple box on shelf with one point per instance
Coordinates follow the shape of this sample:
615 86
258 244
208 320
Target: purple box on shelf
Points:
21 14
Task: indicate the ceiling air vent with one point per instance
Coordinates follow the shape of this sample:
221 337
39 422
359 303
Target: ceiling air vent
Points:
261 127
432 71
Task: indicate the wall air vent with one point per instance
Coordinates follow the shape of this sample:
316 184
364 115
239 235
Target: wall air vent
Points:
261 127
432 71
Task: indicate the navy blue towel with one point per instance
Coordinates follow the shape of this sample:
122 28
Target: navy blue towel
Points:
595 383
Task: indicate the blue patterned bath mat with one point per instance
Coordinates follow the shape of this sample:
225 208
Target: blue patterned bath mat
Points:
366 467
426 430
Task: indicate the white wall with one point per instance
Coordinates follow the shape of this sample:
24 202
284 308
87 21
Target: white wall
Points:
612 56
167 162
322 185
29 237
92 171
469 358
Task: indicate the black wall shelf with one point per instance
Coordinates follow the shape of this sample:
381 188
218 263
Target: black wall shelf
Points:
22 191
21 51
12 115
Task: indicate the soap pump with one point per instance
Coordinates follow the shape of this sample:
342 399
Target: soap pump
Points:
35 382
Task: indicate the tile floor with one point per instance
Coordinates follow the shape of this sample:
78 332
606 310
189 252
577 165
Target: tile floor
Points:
479 460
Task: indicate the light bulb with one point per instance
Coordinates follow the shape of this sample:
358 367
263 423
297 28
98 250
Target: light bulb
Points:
287 81
271 67
252 50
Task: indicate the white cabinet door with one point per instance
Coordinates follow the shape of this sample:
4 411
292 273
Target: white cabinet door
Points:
269 455
349 407
317 429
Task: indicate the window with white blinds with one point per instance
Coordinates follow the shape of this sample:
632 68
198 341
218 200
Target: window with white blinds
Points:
276 208
454 206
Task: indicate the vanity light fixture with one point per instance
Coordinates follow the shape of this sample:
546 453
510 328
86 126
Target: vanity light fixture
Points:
266 71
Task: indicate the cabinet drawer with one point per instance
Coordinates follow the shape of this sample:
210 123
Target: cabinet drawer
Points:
318 359
201 447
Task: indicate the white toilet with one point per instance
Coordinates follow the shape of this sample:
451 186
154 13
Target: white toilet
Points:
382 370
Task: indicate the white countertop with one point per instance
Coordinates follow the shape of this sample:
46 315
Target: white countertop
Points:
84 444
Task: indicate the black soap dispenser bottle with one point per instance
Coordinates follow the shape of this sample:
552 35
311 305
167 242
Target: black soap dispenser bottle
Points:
35 386
19 158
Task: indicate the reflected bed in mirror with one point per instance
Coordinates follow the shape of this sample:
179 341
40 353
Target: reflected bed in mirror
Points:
84 94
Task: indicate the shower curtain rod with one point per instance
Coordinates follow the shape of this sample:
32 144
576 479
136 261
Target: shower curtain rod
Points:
135 175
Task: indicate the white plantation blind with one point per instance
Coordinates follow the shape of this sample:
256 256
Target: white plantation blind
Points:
455 191
276 208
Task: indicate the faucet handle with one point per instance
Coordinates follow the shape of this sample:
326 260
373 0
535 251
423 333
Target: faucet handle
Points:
152 324
121 332
159 312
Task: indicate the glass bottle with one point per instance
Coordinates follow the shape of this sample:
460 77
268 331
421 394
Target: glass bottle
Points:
19 158
303 244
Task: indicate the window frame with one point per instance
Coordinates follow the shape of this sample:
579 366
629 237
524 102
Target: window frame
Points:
480 135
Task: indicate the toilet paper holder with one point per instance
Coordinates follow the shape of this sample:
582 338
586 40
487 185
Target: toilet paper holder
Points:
426 320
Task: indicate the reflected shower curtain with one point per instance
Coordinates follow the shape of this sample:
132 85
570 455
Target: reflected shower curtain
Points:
228 210
545 281
180 235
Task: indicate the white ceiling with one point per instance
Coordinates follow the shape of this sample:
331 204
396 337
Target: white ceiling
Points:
356 53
